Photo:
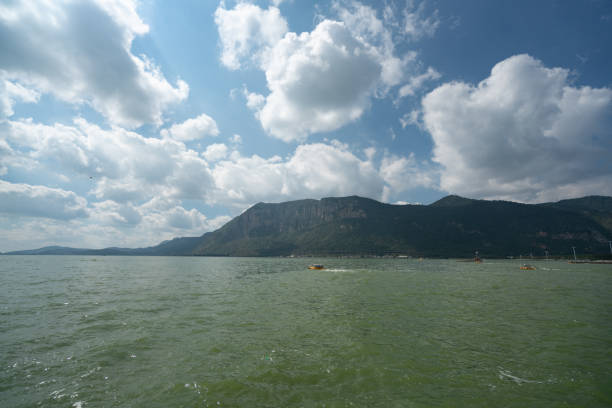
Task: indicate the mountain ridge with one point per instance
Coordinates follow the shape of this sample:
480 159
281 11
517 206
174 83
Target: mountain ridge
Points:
453 226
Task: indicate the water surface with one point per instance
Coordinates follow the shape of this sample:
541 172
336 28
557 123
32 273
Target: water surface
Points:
252 332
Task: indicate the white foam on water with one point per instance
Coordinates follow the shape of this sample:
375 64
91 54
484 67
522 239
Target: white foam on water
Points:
503 374
57 394
78 404
90 372
195 386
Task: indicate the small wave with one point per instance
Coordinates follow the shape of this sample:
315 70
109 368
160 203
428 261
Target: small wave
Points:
90 372
57 394
339 270
503 374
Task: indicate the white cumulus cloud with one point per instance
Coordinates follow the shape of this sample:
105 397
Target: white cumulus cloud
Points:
112 213
166 215
11 92
124 166
254 100
404 173
192 129
215 152
313 170
109 224
318 81
40 201
524 133
247 31
80 51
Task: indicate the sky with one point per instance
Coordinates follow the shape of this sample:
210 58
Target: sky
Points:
126 123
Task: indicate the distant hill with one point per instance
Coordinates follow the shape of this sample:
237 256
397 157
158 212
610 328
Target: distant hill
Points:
177 246
452 201
451 227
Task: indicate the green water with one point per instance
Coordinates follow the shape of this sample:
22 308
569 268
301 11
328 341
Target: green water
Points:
243 332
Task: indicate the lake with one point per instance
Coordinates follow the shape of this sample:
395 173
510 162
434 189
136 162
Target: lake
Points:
80 331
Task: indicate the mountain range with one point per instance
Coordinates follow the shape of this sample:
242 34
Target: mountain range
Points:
355 226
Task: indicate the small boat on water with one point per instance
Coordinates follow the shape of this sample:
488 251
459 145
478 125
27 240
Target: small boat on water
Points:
316 266
526 267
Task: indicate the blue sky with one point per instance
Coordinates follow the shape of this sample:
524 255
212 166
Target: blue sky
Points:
125 123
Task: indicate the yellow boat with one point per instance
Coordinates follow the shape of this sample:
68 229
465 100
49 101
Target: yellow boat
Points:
316 266
527 267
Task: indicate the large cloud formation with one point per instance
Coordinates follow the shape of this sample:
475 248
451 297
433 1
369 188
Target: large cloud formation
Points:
80 51
321 80
41 201
524 133
313 170
138 186
125 166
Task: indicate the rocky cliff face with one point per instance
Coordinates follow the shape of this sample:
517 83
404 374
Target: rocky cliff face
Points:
296 216
453 226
